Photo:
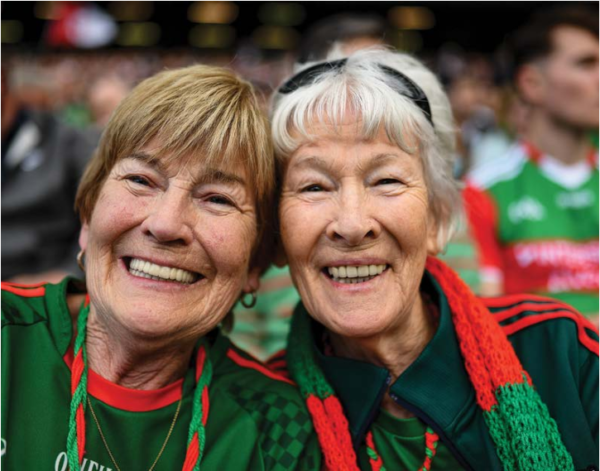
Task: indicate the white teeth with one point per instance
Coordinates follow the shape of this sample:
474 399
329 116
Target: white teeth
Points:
355 274
153 271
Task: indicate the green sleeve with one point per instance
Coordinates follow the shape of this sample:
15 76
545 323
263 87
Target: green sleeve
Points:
588 390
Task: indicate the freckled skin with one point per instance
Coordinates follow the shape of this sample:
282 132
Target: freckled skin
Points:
171 216
340 201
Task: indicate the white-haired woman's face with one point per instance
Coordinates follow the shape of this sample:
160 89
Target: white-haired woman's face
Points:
356 228
168 247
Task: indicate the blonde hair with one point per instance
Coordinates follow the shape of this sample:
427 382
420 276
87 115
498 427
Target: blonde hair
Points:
198 112
362 86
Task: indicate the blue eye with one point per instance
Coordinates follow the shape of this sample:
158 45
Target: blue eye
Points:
387 181
312 188
138 180
218 199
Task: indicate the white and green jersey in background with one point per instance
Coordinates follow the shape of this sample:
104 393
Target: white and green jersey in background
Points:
535 221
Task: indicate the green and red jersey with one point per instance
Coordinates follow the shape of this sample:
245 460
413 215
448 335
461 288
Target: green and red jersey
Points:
535 221
256 419
556 345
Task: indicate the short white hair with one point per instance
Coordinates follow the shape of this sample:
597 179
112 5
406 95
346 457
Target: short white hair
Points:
362 86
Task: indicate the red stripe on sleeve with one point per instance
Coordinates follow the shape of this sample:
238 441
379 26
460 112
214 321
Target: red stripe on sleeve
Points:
24 292
582 324
531 307
22 285
507 300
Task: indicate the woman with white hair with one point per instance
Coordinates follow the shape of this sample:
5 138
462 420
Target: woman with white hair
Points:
400 364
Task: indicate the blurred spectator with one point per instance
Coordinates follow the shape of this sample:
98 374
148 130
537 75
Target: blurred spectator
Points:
103 98
535 212
478 104
352 31
42 160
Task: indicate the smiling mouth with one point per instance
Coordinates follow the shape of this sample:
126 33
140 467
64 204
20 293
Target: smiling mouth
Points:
353 274
152 271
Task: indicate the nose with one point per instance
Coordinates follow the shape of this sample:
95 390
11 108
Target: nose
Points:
169 219
354 222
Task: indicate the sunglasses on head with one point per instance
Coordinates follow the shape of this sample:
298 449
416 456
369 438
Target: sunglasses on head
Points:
410 89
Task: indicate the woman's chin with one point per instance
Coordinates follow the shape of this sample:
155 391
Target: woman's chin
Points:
156 324
149 325
353 325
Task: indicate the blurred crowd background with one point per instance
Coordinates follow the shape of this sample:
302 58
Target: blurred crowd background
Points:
70 63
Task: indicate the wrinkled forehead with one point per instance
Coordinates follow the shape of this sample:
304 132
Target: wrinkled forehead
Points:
302 122
351 129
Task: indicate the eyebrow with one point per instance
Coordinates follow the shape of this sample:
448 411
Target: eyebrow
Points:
588 59
323 164
313 162
147 158
220 176
211 175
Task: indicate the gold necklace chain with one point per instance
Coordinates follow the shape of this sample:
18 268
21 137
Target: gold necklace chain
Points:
162 448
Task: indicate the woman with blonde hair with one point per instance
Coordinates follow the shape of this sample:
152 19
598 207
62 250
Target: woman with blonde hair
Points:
130 370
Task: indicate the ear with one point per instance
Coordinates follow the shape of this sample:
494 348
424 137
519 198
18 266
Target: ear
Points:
83 236
253 280
280 259
433 228
530 83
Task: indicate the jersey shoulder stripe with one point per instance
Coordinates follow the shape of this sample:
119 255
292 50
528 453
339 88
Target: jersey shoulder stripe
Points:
246 361
23 304
25 291
516 313
505 168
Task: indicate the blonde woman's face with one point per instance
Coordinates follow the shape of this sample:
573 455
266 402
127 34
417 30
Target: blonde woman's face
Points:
168 247
356 228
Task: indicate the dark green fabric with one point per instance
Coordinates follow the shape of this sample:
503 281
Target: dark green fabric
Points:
437 389
402 443
254 422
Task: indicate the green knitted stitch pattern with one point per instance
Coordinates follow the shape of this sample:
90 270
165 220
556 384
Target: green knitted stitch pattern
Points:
526 437
196 424
301 358
80 395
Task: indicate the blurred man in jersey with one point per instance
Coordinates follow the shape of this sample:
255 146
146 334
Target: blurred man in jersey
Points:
535 212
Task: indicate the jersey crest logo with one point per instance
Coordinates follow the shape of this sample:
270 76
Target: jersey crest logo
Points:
576 199
526 209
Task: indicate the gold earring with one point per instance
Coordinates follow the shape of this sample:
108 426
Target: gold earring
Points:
80 263
252 303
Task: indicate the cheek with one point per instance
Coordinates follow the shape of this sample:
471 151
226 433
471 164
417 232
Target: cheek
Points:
572 87
114 215
407 221
229 244
300 229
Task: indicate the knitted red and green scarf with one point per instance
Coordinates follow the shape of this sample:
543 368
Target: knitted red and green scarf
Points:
525 436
